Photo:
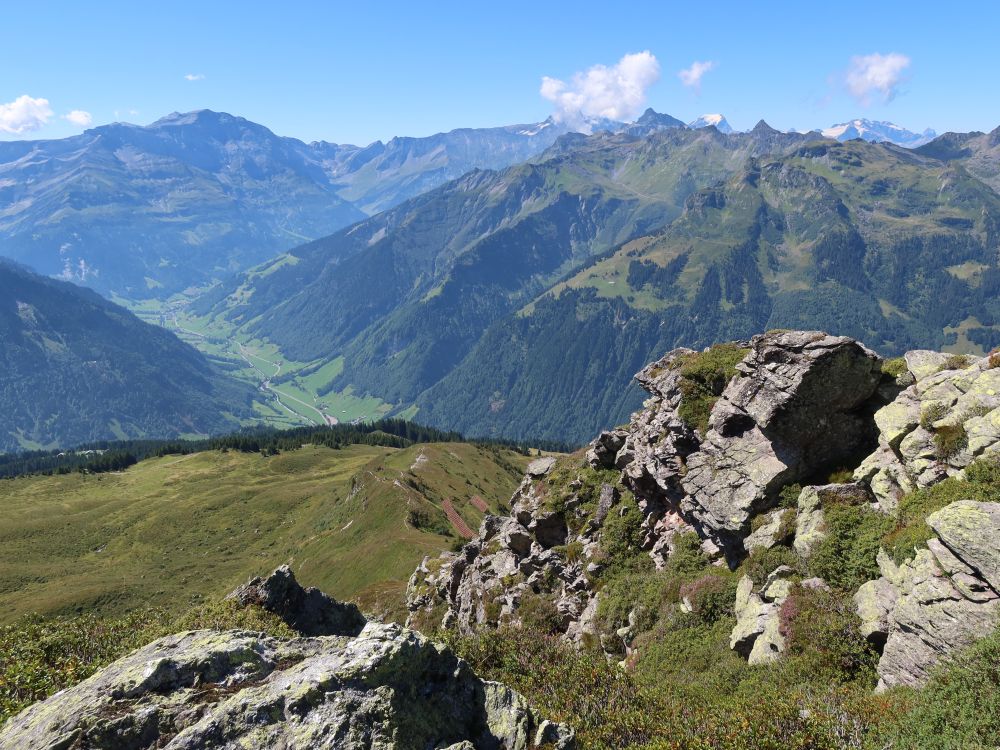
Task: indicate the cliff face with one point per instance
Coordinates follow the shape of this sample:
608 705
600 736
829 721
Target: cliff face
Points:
721 450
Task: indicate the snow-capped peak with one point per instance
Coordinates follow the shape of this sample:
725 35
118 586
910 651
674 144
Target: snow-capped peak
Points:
877 132
712 120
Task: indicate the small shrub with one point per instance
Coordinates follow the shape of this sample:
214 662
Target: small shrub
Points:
845 558
935 411
762 562
821 631
950 440
704 376
842 475
711 596
539 613
895 367
789 495
956 362
622 535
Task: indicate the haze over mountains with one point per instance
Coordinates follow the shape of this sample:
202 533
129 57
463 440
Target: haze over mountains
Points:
587 256
77 368
149 211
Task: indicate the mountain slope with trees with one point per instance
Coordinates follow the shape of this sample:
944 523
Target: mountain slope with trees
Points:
610 248
75 367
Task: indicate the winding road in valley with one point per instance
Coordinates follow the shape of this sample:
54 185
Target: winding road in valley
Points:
265 379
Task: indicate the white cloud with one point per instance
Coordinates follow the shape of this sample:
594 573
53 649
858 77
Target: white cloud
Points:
194 77
876 76
24 114
617 92
691 77
79 117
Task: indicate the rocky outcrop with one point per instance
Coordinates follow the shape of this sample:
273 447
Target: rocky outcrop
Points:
942 600
796 406
513 559
387 687
307 610
800 401
757 633
935 428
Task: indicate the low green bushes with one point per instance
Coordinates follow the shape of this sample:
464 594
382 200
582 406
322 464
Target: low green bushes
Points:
845 558
910 530
704 376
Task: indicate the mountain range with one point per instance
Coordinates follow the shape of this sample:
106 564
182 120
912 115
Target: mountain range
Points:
587 259
145 212
606 249
78 368
878 132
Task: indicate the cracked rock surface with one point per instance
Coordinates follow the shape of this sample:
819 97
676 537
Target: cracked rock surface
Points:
384 687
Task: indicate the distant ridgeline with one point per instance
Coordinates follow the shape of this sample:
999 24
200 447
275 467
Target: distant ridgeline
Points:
105 455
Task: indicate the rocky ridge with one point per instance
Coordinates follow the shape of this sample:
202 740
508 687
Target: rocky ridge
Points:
373 686
792 408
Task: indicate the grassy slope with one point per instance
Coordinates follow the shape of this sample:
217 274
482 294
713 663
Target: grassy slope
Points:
176 530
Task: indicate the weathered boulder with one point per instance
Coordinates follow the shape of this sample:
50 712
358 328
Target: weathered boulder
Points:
971 533
798 404
307 610
940 601
757 633
385 688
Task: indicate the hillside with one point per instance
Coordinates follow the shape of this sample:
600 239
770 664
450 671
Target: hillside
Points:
174 531
75 367
148 211
405 296
457 306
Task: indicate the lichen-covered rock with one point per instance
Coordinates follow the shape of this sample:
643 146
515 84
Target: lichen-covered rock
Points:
934 428
307 610
971 533
940 601
386 688
810 522
931 619
757 633
773 530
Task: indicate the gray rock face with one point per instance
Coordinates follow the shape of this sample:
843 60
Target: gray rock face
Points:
308 611
964 403
796 406
940 601
757 634
385 688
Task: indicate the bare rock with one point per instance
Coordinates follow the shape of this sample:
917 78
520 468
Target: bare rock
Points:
385 687
307 610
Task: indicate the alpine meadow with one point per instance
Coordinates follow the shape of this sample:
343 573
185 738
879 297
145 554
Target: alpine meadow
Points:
462 378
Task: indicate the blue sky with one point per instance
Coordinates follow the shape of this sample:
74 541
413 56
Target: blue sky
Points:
347 72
